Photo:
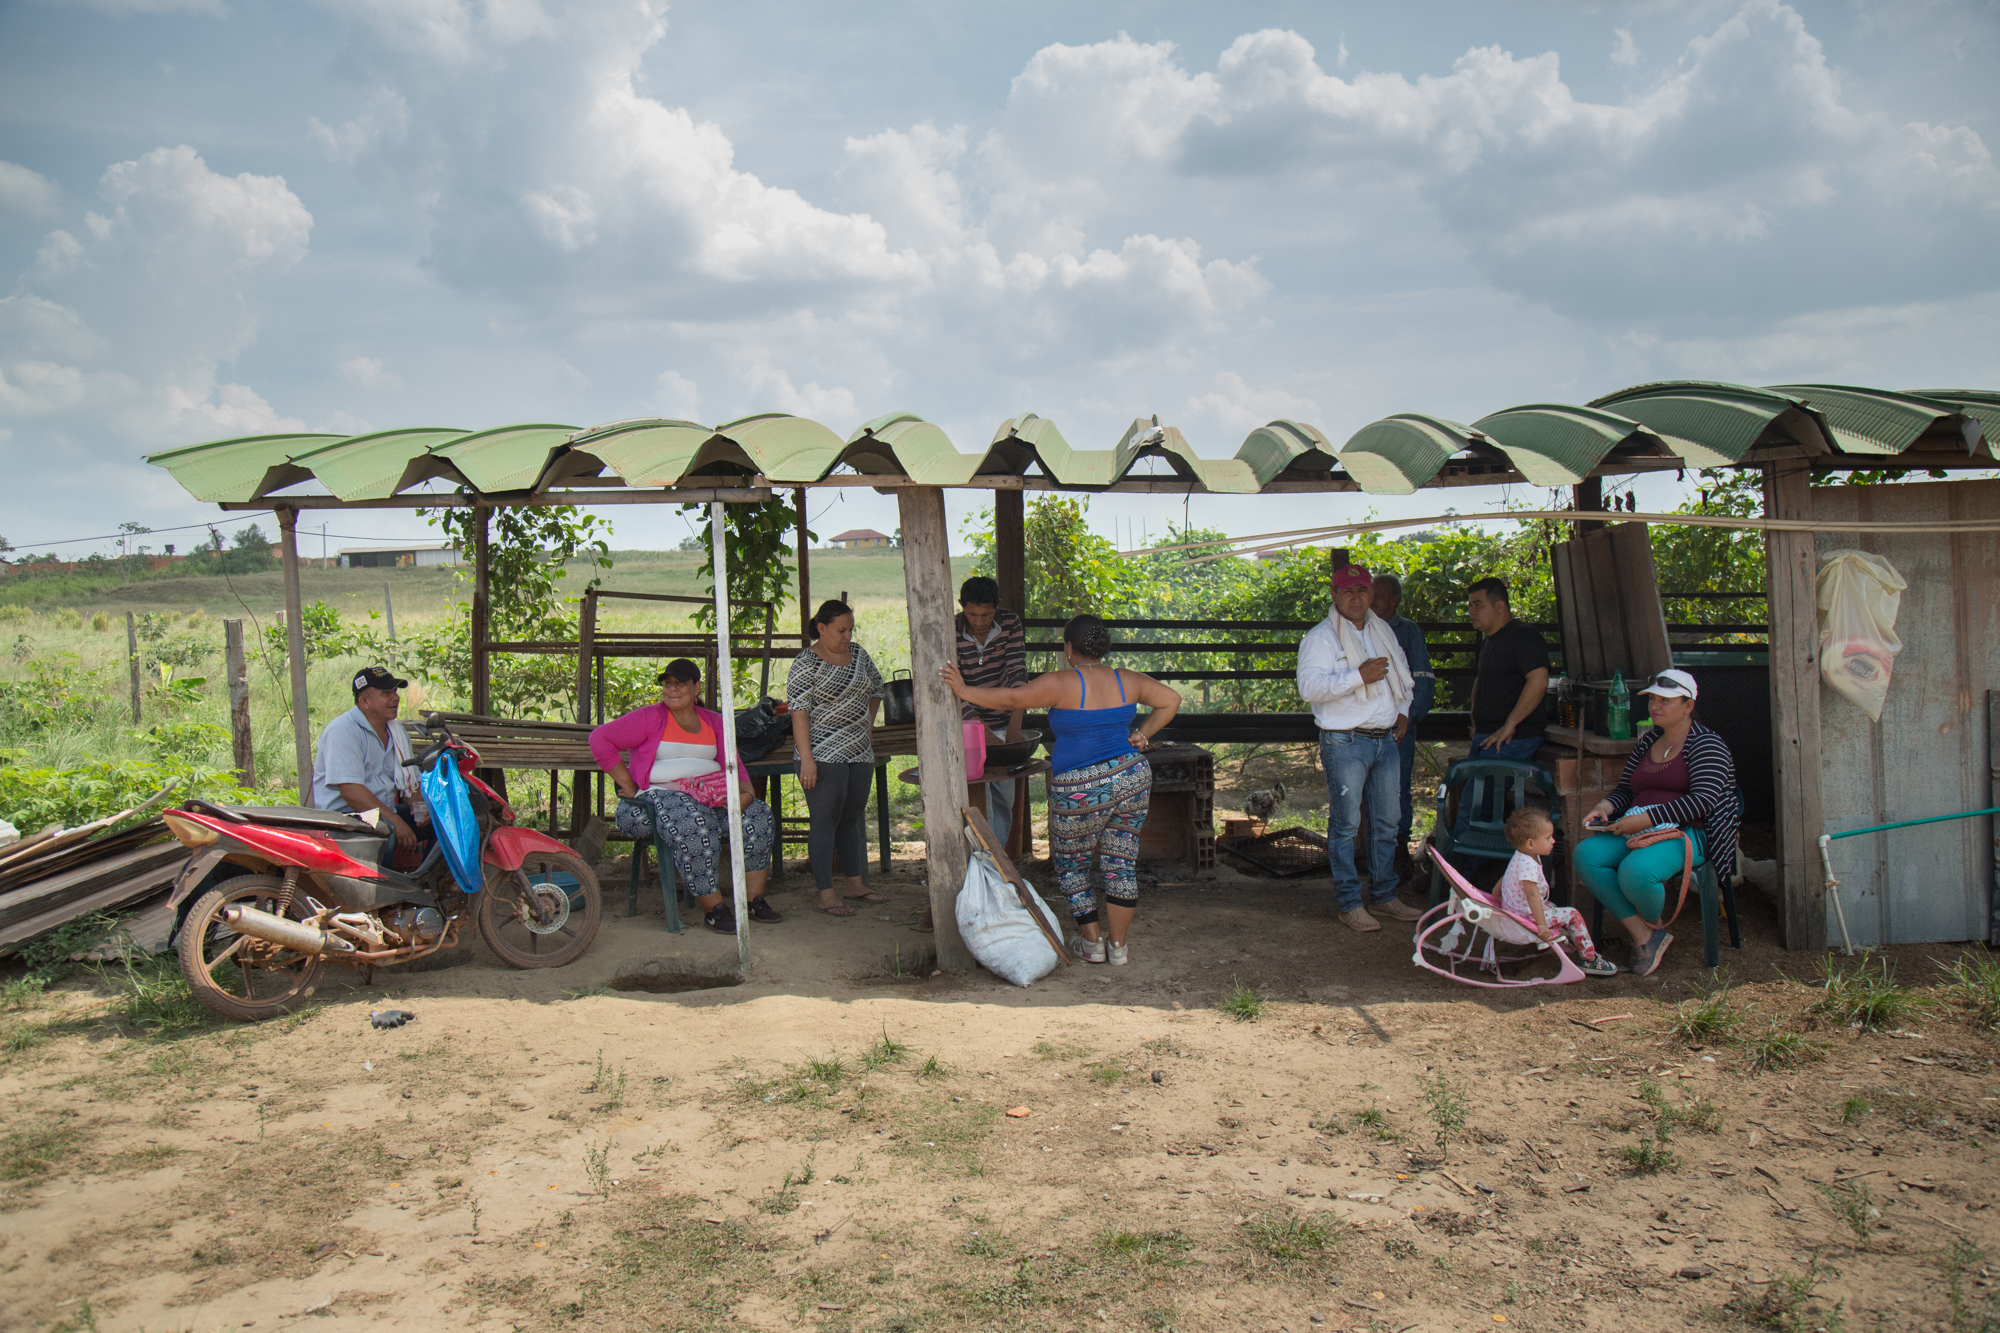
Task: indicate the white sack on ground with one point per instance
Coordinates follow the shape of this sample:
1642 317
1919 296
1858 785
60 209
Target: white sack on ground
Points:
998 931
1858 596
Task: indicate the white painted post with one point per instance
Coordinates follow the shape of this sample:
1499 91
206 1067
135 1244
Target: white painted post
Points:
725 687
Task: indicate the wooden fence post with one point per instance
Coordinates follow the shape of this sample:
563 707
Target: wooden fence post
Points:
1791 575
295 651
388 609
940 743
132 649
482 611
236 662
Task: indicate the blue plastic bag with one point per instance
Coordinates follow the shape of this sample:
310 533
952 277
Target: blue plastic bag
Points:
451 815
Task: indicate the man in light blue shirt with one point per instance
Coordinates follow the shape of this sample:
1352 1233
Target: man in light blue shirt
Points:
359 764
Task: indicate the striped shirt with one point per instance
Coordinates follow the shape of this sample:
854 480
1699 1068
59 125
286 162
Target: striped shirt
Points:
835 701
1712 803
999 661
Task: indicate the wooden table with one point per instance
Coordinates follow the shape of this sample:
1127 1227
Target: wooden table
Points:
1028 770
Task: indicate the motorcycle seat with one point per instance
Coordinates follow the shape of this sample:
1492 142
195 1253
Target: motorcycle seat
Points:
286 816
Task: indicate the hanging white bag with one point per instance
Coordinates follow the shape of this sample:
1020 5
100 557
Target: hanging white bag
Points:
997 929
1859 595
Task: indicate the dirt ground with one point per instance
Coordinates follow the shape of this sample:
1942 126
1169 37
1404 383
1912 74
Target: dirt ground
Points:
831 1144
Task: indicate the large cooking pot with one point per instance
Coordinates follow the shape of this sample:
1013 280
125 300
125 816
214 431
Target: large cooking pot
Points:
899 701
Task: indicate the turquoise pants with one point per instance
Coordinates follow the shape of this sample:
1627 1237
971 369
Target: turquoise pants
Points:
1631 883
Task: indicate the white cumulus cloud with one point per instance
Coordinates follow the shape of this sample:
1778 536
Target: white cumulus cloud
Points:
28 193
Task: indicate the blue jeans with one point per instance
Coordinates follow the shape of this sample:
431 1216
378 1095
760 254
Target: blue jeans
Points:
1523 750
1361 772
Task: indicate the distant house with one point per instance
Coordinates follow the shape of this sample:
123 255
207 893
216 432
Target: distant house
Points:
397 557
855 539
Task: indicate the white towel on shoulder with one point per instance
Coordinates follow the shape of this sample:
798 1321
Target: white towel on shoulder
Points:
1374 638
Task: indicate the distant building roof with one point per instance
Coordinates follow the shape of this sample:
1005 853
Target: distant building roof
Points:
861 535
406 546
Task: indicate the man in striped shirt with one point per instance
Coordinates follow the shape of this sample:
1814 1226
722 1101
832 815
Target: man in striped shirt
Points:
992 654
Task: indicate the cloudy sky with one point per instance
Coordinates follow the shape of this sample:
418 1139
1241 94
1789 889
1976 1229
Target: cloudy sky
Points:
223 217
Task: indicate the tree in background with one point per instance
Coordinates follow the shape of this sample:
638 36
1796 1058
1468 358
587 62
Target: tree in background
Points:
758 539
1714 559
528 550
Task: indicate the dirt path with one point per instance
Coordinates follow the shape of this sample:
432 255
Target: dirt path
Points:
826 1146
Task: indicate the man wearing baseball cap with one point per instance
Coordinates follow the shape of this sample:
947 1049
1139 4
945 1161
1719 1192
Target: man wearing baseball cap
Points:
1354 675
359 763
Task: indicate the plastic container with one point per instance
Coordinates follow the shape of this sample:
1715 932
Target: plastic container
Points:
1618 710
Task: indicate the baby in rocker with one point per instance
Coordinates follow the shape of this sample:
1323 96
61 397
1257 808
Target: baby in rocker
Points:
1524 890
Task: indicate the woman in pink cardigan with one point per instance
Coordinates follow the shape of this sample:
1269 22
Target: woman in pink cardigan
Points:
675 749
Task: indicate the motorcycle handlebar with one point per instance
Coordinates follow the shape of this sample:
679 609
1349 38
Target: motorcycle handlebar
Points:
428 755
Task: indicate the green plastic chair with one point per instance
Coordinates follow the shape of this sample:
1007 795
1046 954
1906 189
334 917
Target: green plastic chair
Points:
1716 898
670 891
1497 787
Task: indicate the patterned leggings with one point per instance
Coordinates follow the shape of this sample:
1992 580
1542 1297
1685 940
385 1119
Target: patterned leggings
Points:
697 834
1099 808
1568 921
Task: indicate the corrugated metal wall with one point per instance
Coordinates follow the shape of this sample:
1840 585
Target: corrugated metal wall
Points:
1930 754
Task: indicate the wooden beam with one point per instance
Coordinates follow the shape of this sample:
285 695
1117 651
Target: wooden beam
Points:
1588 494
586 678
940 744
482 611
295 651
1010 549
805 573
1791 569
242 743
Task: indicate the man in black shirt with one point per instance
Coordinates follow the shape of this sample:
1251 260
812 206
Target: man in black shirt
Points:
1509 695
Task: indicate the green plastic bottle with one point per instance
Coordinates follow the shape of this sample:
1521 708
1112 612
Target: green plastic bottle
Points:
1618 711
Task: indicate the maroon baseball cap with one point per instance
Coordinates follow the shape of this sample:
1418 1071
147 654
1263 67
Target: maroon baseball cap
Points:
1352 576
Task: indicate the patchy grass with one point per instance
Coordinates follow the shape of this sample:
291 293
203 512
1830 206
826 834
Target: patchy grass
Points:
1446 1107
1241 1003
1852 1204
1294 1240
943 1134
1786 1302
1711 1021
1051 1050
1146 1248
1864 998
1974 986
1108 1073
1779 1047
36 1148
1854 1109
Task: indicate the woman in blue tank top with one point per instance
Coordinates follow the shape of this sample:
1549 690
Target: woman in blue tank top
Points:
1101 783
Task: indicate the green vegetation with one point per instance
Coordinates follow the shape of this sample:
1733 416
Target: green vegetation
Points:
1852 1204
1147 1249
1294 1240
1786 1302
1241 1003
1854 1109
1967 1317
1974 986
1778 1047
1651 1154
1711 1021
1446 1108
1870 1000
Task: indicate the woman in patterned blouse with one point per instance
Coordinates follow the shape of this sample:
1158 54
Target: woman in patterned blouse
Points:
833 693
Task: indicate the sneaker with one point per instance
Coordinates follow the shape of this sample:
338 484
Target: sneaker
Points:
1396 910
1358 919
721 919
761 910
1087 951
1119 955
1646 958
1599 966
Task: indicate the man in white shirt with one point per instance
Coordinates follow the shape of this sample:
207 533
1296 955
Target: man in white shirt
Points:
1353 673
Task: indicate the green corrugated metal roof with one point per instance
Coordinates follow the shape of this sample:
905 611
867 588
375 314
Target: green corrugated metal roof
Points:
1708 424
1868 421
506 458
1554 444
375 467
239 470
1549 444
1398 454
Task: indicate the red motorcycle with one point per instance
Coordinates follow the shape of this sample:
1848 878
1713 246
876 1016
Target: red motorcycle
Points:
318 887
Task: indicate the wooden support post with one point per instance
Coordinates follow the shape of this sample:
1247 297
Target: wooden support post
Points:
805 573
236 662
1791 569
1588 494
388 609
132 657
732 765
586 673
1010 549
295 651
482 611
940 744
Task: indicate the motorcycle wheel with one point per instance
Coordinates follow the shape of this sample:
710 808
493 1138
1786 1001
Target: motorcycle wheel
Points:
235 975
530 918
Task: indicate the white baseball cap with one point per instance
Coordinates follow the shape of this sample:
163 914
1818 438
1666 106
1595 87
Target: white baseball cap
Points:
1671 684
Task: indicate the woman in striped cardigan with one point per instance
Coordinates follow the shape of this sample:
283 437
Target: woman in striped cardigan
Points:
1680 773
